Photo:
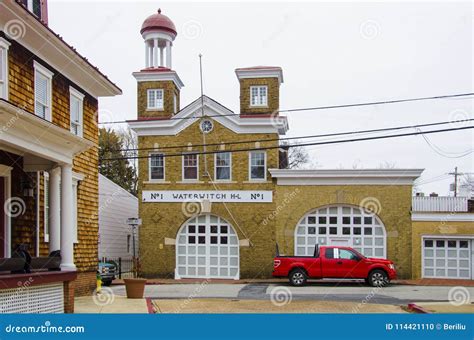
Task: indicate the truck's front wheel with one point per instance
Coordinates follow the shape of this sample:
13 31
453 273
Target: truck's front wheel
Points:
298 277
378 278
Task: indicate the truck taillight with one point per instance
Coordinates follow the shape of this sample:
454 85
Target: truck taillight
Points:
276 263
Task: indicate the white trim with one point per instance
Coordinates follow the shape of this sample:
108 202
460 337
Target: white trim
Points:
229 180
440 217
253 180
25 129
219 113
270 72
38 68
79 96
258 87
38 176
346 177
4 46
156 180
188 180
159 76
46 45
46 215
5 171
156 107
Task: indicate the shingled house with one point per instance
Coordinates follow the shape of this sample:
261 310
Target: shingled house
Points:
48 161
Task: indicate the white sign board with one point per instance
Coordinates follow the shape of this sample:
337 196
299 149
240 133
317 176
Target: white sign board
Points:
215 196
134 221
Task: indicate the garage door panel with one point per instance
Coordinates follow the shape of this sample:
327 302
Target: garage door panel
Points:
342 226
446 258
208 247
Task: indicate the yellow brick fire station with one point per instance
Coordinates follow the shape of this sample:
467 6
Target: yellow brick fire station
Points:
216 197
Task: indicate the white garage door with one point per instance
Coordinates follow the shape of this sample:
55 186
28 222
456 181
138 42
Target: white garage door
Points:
341 226
446 258
207 247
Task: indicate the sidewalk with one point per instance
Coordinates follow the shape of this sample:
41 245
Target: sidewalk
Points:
420 282
110 305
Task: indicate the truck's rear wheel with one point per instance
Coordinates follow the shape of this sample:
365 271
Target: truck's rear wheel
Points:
378 278
298 277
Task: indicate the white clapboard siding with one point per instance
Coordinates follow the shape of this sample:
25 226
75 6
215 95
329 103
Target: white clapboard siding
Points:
439 204
116 205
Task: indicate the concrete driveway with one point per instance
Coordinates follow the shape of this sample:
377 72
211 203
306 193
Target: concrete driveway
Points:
321 291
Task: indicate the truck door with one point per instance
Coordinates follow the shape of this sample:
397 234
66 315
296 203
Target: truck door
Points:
348 264
329 262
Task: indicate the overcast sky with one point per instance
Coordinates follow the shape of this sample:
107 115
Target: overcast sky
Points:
331 53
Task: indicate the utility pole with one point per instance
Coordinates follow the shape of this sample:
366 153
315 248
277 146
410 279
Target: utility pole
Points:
456 174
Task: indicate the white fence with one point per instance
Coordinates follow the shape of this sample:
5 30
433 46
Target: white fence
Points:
439 204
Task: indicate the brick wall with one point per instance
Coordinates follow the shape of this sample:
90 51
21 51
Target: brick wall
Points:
163 220
169 90
273 95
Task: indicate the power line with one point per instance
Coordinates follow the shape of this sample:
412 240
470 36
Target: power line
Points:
296 145
300 137
329 107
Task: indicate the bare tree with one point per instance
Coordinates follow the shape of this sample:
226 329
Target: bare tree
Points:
297 157
467 184
130 149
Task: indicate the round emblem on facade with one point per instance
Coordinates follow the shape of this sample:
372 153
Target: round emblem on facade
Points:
206 126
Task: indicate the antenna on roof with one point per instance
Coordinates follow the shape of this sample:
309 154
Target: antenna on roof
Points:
202 115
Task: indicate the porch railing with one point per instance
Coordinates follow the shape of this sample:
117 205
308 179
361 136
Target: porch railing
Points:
440 204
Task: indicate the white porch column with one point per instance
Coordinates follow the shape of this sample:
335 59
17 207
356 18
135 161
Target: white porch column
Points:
168 54
162 57
147 54
155 52
67 245
54 209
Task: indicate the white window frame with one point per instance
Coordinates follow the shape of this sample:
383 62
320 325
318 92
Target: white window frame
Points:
75 94
175 103
149 167
75 238
250 167
258 87
156 107
197 168
46 203
29 6
230 167
38 68
4 46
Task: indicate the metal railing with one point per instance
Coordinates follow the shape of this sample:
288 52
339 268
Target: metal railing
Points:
126 267
440 204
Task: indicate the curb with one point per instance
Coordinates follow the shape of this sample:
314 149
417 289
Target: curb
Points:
413 307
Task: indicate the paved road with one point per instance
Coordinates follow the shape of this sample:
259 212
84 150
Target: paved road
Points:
321 291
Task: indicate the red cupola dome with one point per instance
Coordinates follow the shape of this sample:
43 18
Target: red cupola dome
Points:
158 21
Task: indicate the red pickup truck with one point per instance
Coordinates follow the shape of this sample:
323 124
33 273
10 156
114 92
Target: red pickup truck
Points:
334 263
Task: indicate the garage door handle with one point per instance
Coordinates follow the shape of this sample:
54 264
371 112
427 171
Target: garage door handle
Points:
339 262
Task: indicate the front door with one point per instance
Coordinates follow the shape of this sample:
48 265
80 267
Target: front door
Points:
2 218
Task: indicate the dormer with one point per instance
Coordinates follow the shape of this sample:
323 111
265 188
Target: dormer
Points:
259 90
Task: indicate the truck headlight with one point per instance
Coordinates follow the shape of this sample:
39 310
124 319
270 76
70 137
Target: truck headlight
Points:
391 266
